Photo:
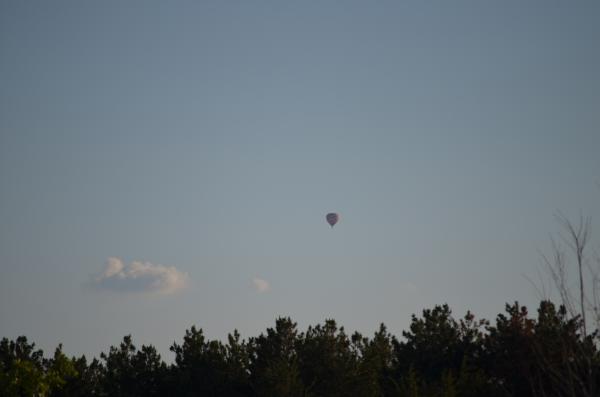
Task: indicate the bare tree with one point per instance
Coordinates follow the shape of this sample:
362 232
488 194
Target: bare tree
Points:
574 372
584 298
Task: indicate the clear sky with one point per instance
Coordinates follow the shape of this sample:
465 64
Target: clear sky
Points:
164 164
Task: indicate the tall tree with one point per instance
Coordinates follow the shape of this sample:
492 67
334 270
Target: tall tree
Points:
60 370
209 368
128 372
274 362
326 362
21 368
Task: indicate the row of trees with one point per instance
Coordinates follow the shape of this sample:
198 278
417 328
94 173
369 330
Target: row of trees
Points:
553 354
518 355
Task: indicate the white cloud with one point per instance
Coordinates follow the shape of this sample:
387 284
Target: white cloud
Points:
140 277
114 266
261 285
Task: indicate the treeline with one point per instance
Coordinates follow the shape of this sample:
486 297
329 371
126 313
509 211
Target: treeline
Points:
519 355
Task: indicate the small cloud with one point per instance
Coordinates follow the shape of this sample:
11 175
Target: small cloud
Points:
140 277
261 285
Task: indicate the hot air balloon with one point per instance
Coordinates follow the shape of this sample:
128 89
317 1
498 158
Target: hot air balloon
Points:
332 218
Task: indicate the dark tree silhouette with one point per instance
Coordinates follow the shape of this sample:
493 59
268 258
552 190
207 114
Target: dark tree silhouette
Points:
437 356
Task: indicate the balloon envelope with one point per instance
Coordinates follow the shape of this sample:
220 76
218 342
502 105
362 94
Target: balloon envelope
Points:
332 218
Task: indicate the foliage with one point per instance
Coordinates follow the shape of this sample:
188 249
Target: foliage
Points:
437 356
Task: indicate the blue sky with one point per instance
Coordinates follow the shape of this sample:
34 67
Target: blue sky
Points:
208 140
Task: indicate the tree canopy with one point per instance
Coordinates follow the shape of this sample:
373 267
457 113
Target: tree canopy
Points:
439 355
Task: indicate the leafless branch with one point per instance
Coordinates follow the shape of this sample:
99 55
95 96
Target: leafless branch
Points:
577 239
